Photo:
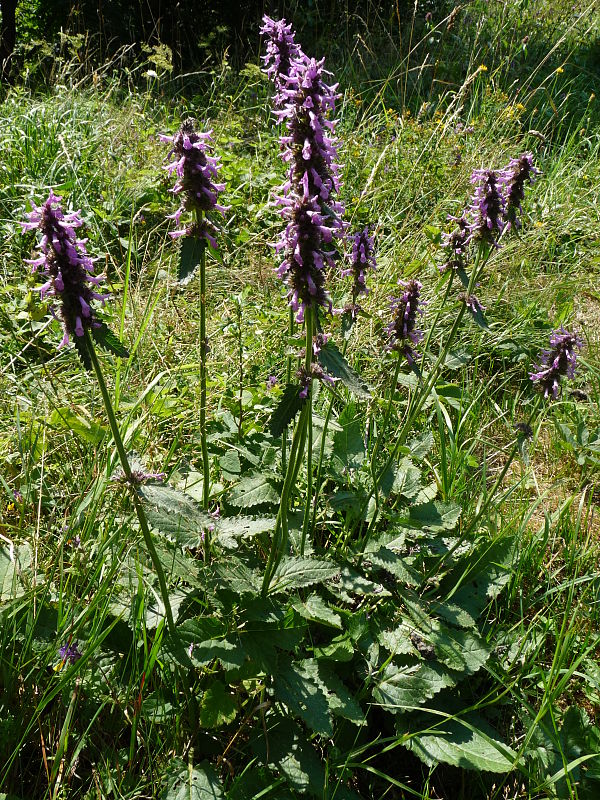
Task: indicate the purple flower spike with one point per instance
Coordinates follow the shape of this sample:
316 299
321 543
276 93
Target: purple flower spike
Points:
560 360
197 174
70 652
487 206
282 50
514 177
362 259
64 261
402 331
307 198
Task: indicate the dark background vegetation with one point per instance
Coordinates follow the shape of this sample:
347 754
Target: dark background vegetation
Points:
201 30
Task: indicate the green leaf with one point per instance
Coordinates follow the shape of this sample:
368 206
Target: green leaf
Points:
197 783
253 490
190 257
420 445
231 529
409 686
339 650
468 743
348 444
175 514
12 562
436 515
287 750
341 701
240 578
217 707
336 365
287 408
297 684
352 582
109 341
295 573
315 609
407 481
81 346
80 421
394 564
478 318
230 462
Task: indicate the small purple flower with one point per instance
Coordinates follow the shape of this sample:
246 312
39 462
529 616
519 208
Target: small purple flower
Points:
316 373
402 331
319 342
69 270
281 51
559 360
514 177
457 243
271 382
362 259
472 303
139 477
487 207
197 174
70 652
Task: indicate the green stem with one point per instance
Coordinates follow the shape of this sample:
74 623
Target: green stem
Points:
310 326
280 536
288 380
137 504
203 358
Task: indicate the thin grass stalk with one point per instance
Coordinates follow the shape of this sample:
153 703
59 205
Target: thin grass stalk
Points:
137 504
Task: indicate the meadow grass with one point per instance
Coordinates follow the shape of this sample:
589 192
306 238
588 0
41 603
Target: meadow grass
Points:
476 576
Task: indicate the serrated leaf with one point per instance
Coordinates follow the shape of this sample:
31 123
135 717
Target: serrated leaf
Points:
295 573
336 365
398 640
80 422
436 515
407 481
253 490
175 514
315 609
298 686
468 743
348 444
287 750
190 256
240 578
410 686
231 529
81 346
420 445
338 650
217 707
109 341
352 582
12 561
394 564
197 783
341 701
230 462
287 408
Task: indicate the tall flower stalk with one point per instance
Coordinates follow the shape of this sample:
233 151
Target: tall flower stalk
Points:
197 172
64 261
309 206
